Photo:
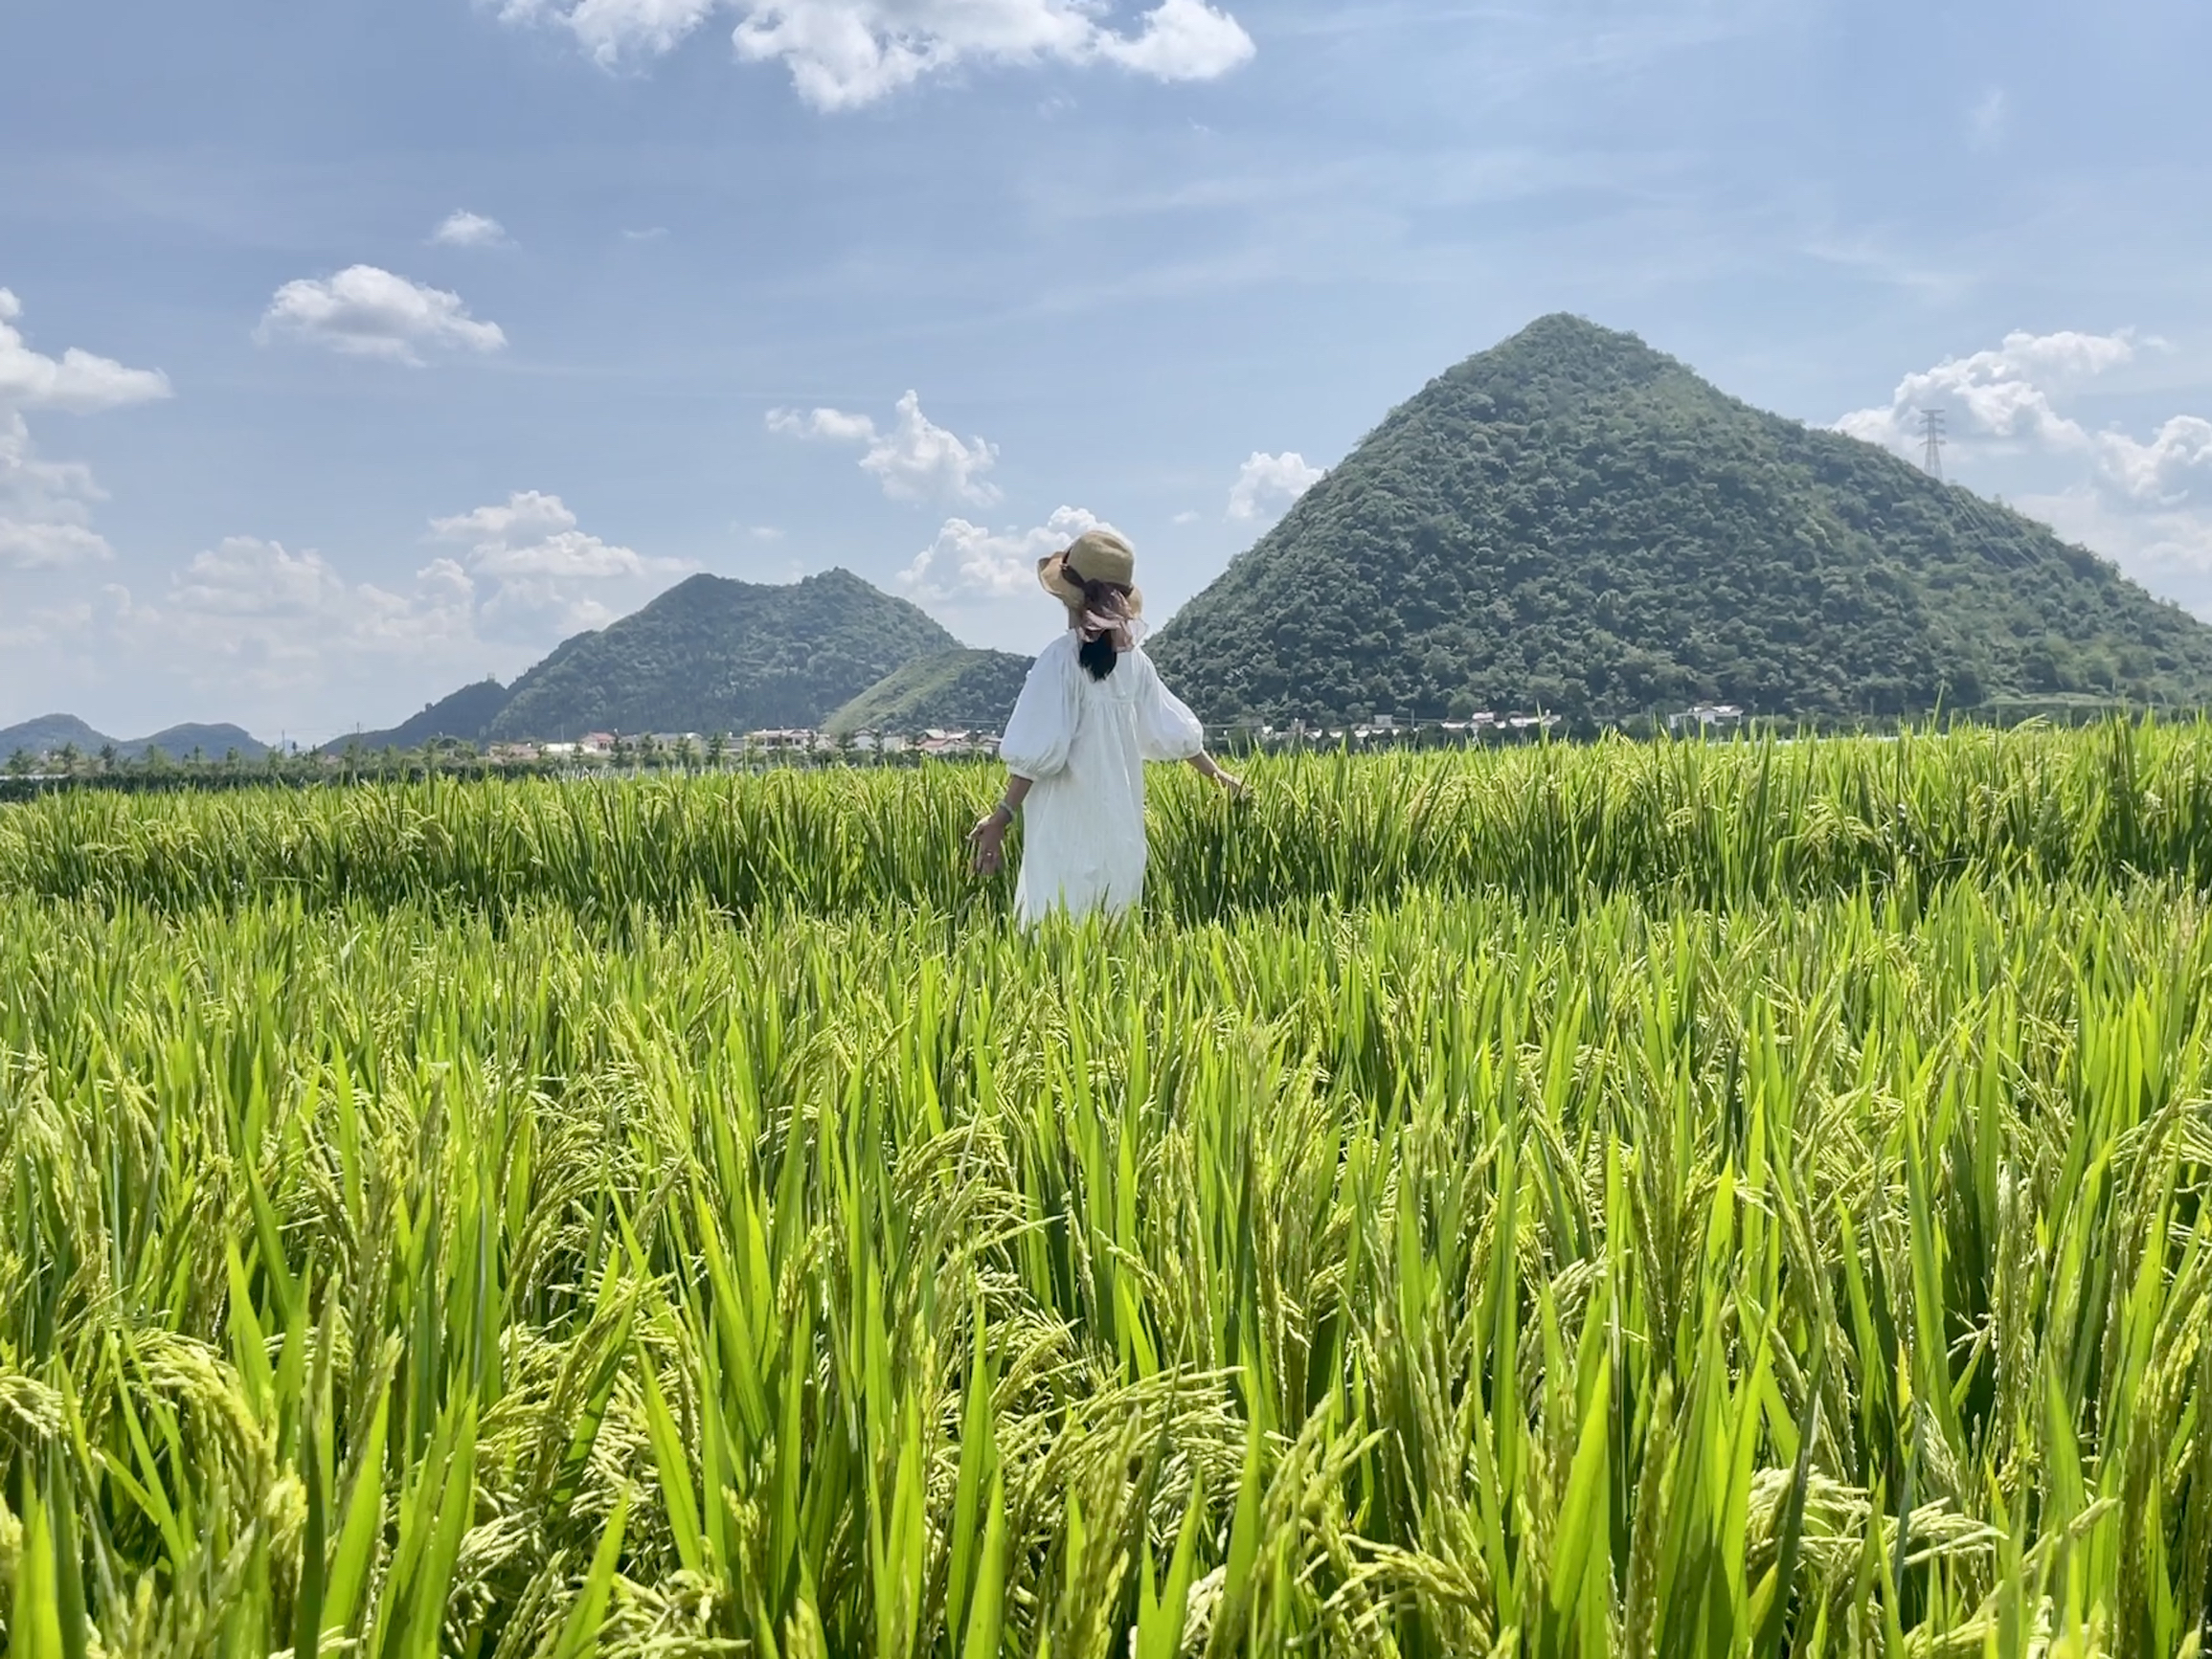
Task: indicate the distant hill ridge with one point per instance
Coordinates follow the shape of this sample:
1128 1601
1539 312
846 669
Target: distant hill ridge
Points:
716 655
1570 522
962 689
1574 522
464 714
710 655
51 733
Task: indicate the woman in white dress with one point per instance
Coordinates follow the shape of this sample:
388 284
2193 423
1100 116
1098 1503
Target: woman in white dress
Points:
1091 712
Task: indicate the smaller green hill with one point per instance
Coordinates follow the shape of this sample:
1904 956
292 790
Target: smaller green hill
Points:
466 714
51 733
957 691
715 654
180 741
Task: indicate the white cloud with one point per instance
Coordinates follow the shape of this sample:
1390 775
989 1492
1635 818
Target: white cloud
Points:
830 423
2004 394
2145 503
67 626
841 54
246 576
533 534
463 228
252 614
286 631
45 506
76 380
1267 484
273 637
608 28
40 547
2165 472
363 311
2168 550
538 563
972 561
915 460
1181 40
1188 516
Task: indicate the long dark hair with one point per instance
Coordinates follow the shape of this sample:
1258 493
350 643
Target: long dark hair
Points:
1105 620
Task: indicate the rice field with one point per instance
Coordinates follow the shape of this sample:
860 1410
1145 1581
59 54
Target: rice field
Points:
1630 1200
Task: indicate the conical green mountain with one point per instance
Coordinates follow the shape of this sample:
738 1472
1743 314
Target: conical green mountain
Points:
715 654
1574 522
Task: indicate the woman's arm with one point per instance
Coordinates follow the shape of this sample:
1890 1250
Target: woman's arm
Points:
1206 766
989 835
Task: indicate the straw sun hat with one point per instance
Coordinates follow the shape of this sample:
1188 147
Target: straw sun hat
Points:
1099 555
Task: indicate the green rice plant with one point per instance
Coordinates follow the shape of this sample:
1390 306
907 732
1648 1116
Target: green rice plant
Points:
1708 825
1666 1199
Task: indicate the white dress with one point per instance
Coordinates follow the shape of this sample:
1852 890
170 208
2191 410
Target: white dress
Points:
1083 743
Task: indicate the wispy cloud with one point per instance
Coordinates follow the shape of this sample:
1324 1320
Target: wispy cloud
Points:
1985 122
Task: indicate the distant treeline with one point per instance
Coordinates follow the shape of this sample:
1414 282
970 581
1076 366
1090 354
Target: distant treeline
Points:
24 778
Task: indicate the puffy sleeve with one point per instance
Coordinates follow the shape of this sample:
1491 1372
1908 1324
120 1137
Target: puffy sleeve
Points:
1165 729
1043 725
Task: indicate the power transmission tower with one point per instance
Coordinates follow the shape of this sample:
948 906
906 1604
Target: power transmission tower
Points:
1931 430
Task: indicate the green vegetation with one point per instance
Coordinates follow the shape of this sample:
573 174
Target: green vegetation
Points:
1573 522
713 655
52 733
465 715
956 690
49 733
1712 826
1631 1199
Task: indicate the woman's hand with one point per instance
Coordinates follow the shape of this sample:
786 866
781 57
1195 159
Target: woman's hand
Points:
989 835
1210 769
989 839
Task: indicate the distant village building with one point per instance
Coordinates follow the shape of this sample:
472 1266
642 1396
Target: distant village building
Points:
947 744
786 738
1705 716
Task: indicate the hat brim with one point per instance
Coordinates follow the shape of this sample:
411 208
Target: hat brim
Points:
1052 576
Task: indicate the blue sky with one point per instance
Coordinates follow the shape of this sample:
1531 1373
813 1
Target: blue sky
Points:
351 352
